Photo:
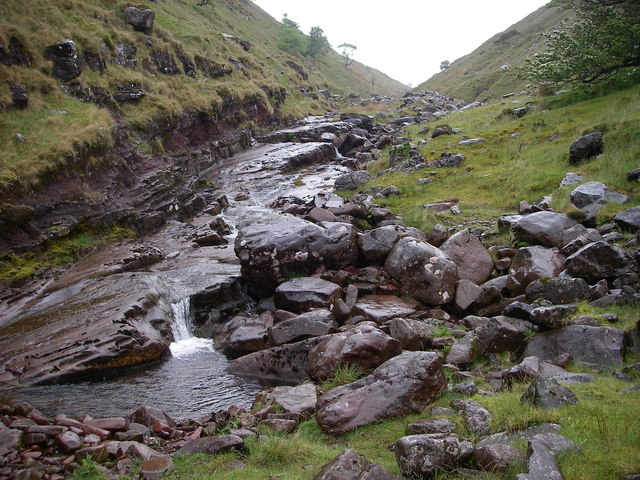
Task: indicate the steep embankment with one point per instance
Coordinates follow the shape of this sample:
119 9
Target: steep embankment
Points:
490 71
194 62
97 99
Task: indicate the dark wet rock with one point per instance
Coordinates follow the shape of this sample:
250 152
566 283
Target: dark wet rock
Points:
497 458
424 456
301 294
242 335
467 292
558 291
352 181
462 352
501 334
317 215
547 394
597 261
308 154
595 347
467 389
554 316
431 425
629 220
363 345
164 62
544 228
380 308
519 310
155 467
212 445
438 235
413 334
376 244
310 324
470 256
128 93
19 96
476 417
284 363
533 263
188 66
69 441
10 438
350 465
418 379
270 252
586 147
147 416
529 369
66 62
424 271
115 424
593 196
14 53
300 400
442 130
140 18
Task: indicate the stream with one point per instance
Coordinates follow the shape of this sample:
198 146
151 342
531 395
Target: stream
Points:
193 382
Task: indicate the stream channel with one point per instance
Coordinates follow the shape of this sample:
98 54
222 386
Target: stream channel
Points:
193 382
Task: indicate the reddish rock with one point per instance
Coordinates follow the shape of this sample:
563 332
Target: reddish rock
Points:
404 384
69 441
156 468
111 424
301 294
147 416
212 445
380 308
364 345
532 263
470 255
497 458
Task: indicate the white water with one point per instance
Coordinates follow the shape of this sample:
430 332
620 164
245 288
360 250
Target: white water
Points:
185 343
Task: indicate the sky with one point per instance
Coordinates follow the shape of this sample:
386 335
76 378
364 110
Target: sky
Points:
406 39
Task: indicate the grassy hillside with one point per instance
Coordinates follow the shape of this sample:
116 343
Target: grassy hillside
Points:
520 159
489 71
59 128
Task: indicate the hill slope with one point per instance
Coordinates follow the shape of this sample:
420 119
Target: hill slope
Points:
489 71
218 62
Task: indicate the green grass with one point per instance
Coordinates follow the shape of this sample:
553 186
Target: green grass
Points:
59 252
343 375
503 170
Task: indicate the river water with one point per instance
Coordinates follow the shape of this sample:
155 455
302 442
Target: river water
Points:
194 381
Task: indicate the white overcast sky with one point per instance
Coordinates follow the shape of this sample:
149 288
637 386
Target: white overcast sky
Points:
406 39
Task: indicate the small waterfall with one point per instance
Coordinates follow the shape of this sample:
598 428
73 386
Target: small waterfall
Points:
184 342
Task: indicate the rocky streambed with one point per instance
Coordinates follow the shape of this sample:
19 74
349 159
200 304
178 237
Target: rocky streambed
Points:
293 282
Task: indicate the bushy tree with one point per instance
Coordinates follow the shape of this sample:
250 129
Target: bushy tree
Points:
445 64
292 39
604 39
348 50
318 43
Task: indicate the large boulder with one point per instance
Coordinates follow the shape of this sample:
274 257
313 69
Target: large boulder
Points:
271 252
593 196
300 400
497 458
558 291
501 334
412 333
311 324
350 465
597 261
532 263
595 347
629 219
65 58
424 271
402 385
283 363
140 18
424 456
471 257
302 294
242 335
380 308
544 228
377 243
363 345
586 147
352 181
547 394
